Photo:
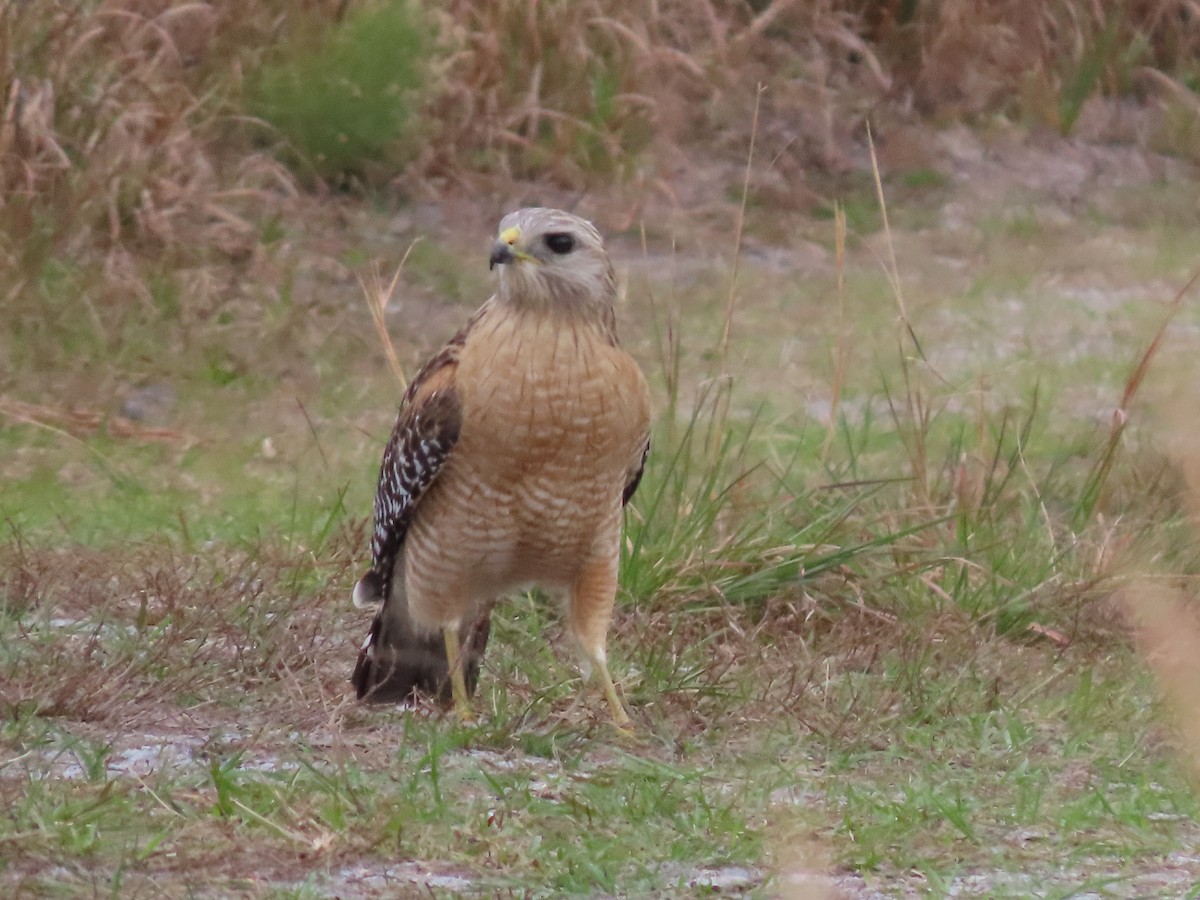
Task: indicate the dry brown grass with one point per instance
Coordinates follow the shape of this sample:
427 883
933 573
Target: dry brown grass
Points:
566 90
169 629
581 92
972 58
121 119
114 119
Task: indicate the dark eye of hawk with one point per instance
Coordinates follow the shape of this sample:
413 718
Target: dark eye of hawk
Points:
560 242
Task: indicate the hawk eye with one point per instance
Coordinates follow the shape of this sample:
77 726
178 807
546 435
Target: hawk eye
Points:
560 242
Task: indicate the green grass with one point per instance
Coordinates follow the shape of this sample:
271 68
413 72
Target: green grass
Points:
819 659
907 762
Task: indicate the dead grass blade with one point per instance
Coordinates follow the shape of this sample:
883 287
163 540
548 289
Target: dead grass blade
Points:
378 297
891 269
76 423
1098 477
731 298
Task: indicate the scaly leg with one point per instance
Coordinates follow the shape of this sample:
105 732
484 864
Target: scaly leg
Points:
620 718
592 598
458 684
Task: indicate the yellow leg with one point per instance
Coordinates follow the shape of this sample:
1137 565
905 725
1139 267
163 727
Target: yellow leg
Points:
592 598
620 718
458 684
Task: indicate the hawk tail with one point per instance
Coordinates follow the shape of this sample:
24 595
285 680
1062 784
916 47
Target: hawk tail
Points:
398 660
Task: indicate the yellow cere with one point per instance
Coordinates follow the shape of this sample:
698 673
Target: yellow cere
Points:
510 235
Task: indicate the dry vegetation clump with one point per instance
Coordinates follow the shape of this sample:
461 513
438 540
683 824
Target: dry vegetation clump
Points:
114 115
118 189
580 90
163 625
118 116
585 92
575 91
165 620
1043 63
125 122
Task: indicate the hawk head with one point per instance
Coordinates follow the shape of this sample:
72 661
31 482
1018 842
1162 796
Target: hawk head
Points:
552 258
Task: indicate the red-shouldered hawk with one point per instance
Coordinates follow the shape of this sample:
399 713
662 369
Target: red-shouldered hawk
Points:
514 451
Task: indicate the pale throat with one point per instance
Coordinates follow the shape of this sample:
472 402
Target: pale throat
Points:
531 291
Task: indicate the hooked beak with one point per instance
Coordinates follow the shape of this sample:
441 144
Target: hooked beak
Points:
504 250
501 253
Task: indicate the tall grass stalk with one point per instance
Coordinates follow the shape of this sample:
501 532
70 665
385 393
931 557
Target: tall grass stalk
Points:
841 348
913 416
667 337
891 268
